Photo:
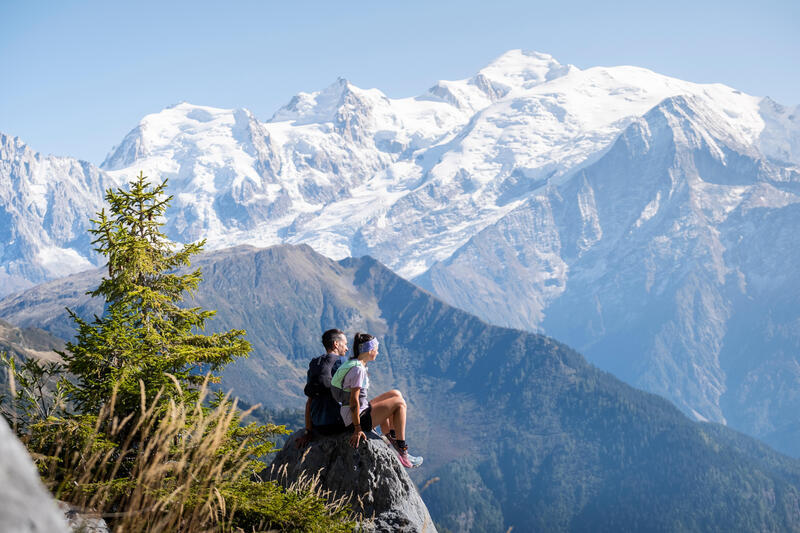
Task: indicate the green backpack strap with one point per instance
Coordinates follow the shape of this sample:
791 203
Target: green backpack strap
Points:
339 393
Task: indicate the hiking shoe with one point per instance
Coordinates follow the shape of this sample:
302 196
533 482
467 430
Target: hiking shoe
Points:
415 460
403 457
406 459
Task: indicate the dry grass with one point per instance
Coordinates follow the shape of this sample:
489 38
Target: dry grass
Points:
166 474
310 484
176 467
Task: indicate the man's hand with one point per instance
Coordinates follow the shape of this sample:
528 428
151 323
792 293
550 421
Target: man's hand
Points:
303 440
355 439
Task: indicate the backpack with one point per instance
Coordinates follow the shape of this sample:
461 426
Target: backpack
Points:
340 394
320 371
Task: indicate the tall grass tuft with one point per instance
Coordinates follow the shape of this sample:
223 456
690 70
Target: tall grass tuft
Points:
176 467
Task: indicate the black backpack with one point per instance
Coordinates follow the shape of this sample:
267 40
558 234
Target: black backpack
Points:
320 371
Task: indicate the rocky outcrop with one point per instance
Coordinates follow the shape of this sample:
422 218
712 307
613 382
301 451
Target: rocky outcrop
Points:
378 484
82 521
25 504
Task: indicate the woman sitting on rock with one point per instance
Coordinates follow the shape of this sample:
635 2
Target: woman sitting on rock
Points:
387 409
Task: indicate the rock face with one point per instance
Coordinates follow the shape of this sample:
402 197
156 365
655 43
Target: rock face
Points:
82 522
380 487
45 203
25 505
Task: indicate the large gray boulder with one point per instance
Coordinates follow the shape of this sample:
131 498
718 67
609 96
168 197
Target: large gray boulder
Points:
26 506
371 475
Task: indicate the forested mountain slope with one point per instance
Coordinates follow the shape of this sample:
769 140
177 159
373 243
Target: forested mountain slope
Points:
520 430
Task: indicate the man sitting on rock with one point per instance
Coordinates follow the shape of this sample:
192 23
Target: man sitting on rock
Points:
322 411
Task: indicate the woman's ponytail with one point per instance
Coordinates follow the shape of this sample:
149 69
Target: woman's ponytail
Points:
354 346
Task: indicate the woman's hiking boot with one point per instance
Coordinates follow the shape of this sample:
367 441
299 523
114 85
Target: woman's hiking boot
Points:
406 459
414 460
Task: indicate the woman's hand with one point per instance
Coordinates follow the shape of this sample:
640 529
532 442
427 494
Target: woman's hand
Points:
355 439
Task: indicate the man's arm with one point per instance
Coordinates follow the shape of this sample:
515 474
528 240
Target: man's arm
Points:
305 438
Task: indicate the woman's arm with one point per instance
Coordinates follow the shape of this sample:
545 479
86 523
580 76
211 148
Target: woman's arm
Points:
355 412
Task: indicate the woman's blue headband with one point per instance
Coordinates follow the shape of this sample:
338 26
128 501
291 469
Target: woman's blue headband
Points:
371 344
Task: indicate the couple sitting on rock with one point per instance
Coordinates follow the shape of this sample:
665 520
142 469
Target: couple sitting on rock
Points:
330 379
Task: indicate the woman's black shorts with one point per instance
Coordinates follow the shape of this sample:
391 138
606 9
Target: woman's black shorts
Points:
365 418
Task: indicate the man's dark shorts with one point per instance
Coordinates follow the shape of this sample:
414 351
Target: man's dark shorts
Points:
331 429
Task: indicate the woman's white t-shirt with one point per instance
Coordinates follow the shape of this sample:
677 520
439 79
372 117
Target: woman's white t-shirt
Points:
355 377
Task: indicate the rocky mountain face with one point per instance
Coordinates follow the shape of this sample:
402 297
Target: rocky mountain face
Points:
26 343
45 205
643 219
666 263
516 428
29 343
371 476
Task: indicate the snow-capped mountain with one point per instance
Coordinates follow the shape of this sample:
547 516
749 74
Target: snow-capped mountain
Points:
614 208
643 258
45 204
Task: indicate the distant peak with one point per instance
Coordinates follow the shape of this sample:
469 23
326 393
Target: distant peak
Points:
9 143
155 129
319 106
185 107
518 54
337 89
522 69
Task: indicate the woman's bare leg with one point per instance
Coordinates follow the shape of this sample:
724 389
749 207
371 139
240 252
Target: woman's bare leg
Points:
399 421
392 410
394 393
386 423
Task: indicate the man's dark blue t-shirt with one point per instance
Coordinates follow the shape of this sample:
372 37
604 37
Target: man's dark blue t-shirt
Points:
325 416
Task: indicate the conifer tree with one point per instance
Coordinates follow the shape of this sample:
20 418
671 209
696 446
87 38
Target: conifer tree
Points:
144 334
136 438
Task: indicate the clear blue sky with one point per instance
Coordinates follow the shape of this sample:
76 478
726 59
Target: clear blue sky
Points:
77 76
